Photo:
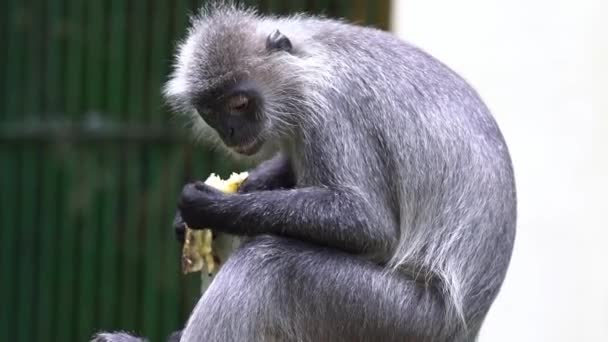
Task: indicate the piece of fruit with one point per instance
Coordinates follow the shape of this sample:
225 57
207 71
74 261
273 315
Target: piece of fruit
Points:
198 252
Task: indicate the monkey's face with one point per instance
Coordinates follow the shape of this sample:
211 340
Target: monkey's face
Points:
236 80
236 112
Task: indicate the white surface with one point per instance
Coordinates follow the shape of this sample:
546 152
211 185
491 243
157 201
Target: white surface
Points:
542 67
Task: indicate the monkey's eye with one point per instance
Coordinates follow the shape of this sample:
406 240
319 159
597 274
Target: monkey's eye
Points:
238 103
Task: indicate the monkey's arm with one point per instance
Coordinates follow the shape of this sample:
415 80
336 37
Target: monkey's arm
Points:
275 173
336 218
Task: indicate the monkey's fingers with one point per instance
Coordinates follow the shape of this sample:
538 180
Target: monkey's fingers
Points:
197 251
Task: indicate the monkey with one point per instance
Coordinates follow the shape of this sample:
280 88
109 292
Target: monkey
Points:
384 204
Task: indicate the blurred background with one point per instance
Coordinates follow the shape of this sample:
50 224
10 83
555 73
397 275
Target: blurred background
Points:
91 165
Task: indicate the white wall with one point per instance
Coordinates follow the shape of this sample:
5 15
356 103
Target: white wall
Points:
532 63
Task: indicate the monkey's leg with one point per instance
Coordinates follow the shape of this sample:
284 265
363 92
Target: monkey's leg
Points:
278 289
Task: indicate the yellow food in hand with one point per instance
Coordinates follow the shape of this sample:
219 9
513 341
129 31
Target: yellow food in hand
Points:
198 248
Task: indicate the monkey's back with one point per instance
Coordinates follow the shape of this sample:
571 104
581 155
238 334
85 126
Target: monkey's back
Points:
449 179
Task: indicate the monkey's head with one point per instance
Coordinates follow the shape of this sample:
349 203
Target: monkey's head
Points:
237 76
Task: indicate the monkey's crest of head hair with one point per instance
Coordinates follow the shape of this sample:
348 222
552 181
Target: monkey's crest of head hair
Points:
226 43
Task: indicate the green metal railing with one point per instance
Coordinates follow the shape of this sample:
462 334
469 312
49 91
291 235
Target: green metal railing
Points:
91 167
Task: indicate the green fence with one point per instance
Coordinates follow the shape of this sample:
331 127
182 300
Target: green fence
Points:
90 166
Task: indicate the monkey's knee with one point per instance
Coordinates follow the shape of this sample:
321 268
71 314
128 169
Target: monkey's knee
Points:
240 304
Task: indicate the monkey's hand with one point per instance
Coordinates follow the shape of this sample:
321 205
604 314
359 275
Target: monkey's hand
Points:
200 205
273 174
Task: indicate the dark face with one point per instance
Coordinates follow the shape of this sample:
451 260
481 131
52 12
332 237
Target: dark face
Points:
235 112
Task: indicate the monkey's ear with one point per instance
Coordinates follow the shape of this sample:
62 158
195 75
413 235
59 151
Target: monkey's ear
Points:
278 41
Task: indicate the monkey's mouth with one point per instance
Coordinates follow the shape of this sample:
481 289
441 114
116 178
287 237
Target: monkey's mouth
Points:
249 148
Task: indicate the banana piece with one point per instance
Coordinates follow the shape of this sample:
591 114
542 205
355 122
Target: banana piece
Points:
198 252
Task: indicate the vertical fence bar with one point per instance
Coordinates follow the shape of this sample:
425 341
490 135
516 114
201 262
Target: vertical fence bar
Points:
48 251
26 243
49 205
137 107
34 60
316 6
278 7
9 180
15 51
297 6
69 229
4 28
345 8
150 293
54 55
117 59
157 37
381 19
10 191
88 247
108 298
29 225
115 99
370 14
171 275
132 281
55 76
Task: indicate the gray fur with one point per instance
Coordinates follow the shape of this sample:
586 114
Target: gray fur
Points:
402 221
116 337
125 337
